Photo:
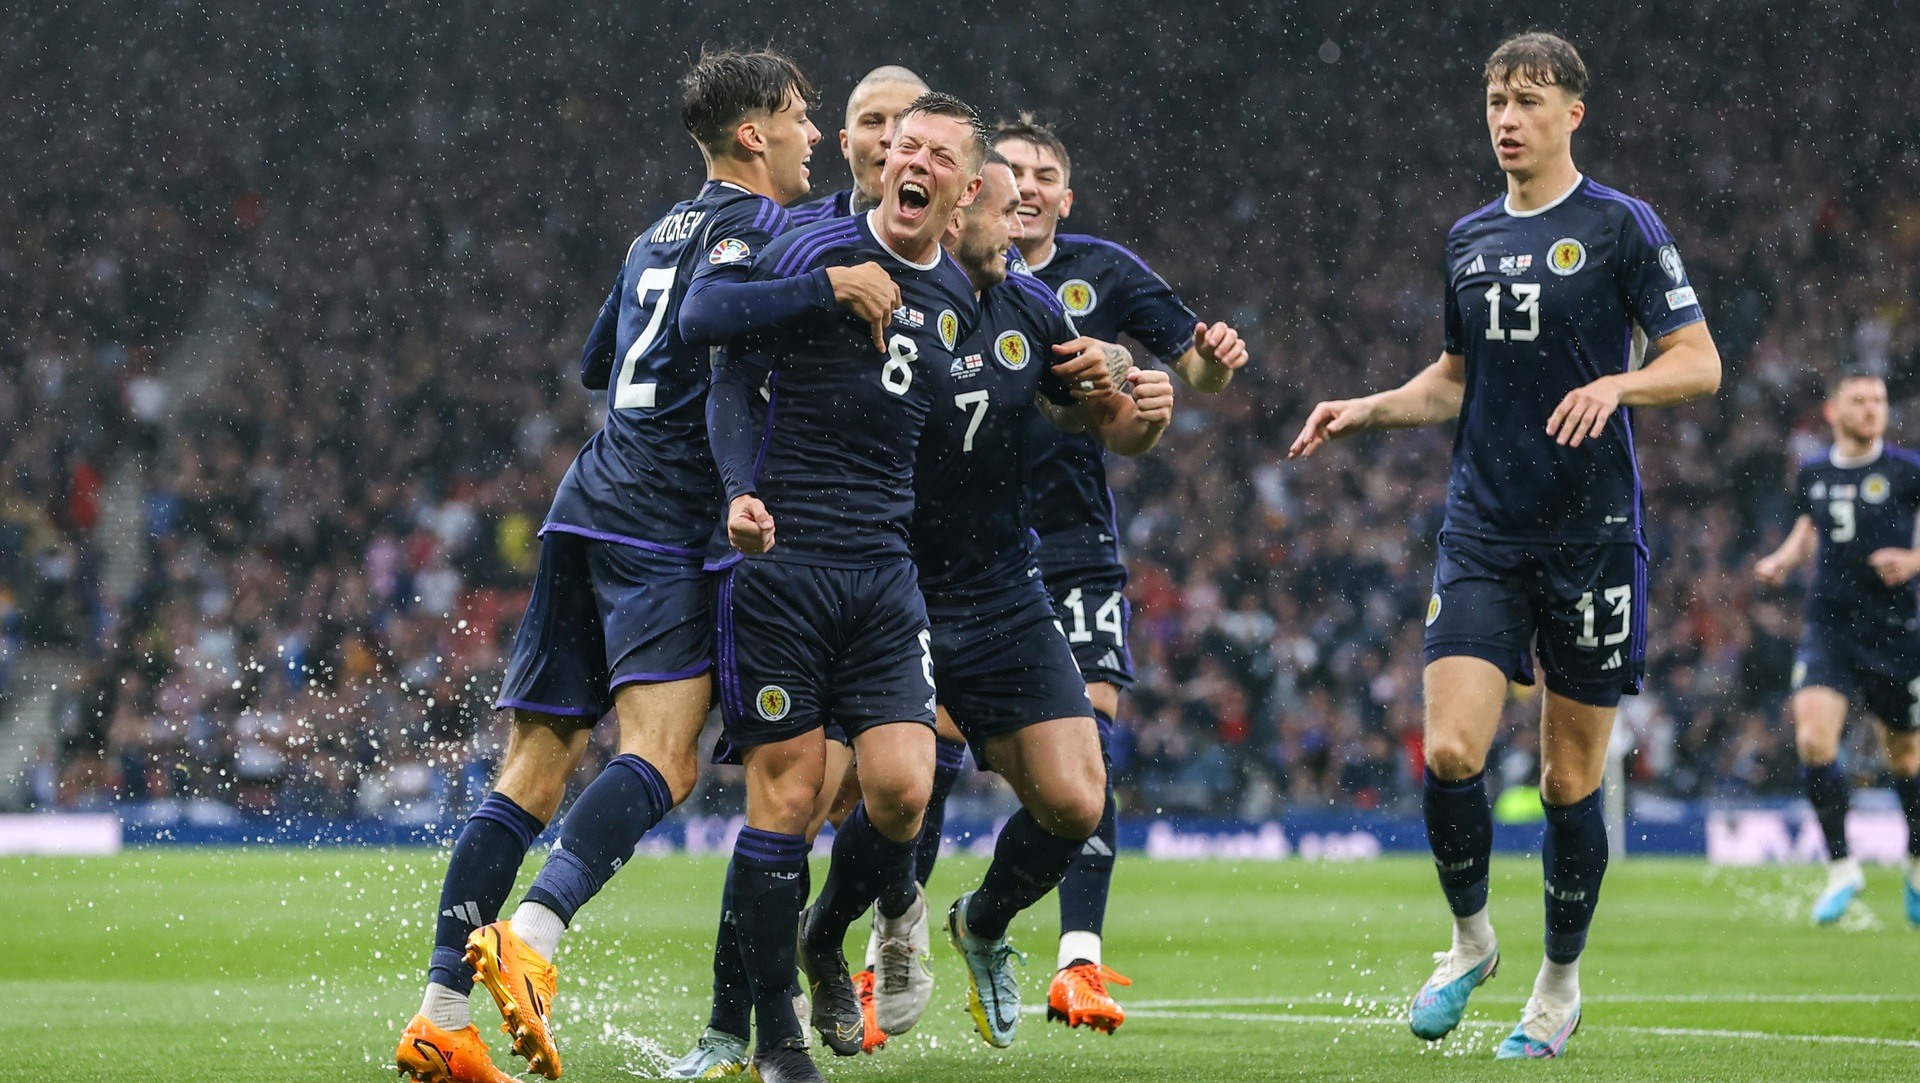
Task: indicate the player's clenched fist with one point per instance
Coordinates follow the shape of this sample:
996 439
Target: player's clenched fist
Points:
749 527
1152 391
869 293
1220 345
1771 570
1330 421
1092 366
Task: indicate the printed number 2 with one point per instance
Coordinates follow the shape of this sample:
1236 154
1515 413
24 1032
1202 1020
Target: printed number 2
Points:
897 374
1105 619
974 402
1528 296
628 395
1621 600
1844 524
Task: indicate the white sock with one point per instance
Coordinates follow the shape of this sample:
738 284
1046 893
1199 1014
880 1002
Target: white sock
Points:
1847 868
539 927
1077 946
1558 982
445 1008
873 943
1473 934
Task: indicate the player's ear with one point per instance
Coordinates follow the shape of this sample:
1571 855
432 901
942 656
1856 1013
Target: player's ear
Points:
1066 202
843 143
971 191
749 137
1577 112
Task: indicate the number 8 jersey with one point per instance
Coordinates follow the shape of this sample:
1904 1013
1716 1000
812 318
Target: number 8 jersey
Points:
1539 303
647 479
1857 508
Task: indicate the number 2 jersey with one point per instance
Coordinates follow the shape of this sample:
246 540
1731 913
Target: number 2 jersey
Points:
1539 303
647 478
1859 508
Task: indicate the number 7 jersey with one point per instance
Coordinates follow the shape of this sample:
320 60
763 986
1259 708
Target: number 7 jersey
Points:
1540 303
647 478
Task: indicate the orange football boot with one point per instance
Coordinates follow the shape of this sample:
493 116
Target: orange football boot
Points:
428 1054
522 984
1079 996
872 1038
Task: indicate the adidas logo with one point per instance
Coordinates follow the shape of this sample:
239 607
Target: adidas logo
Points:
467 912
1096 847
1110 660
1478 265
1614 662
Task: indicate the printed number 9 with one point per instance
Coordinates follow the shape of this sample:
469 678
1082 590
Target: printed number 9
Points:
897 374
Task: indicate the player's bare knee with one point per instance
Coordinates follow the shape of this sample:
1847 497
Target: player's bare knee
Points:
1565 786
896 806
1814 749
1452 759
1076 815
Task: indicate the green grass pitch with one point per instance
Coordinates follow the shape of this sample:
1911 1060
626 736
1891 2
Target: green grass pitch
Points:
288 965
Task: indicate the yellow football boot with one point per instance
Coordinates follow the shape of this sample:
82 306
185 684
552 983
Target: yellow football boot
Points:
522 984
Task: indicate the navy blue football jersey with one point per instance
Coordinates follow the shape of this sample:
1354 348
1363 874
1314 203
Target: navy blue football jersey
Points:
1108 291
833 205
971 534
1539 304
1857 510
840 421
647 477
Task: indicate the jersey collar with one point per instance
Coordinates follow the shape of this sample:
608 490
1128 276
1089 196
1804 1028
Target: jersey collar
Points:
1852 462
1506 202
1052 255
938 250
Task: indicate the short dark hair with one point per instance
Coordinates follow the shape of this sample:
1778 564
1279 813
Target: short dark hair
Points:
1848 373
994 157
1028 129
723 87
1538 57
935 104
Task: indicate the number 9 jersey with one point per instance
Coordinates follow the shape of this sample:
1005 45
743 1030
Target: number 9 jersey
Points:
647 479
1540 303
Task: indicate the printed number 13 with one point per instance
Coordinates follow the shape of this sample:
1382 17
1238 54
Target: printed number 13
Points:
1620 599
1528 296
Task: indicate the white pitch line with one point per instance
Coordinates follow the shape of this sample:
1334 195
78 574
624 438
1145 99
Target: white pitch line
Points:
1354 1000
1663 1032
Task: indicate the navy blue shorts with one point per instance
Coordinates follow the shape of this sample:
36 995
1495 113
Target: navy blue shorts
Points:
1583 608
1878 668
800 645
1003 664
1092 608
602 615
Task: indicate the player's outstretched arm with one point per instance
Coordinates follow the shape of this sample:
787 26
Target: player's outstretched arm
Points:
1432 396
1686 368
1772 569
1216 354
730 434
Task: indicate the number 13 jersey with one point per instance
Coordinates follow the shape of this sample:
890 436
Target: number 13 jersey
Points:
1540 303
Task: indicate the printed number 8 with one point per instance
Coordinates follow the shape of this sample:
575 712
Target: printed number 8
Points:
897 374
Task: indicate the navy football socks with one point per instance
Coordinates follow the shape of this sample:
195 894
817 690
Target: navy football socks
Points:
1908 790
767 886
600 833
1460 833
1830 795
486 859
1084 888
1028 862
868 869
732 994
949 758
1575 859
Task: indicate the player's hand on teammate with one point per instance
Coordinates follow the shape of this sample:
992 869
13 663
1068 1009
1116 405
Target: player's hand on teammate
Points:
1895 566
749 527
1220 345
870 293
1092 367
1152 391
1331 420
1583 414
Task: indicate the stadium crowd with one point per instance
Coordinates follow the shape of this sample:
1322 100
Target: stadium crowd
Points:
342 527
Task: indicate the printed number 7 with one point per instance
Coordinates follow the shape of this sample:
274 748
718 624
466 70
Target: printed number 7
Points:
976 402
